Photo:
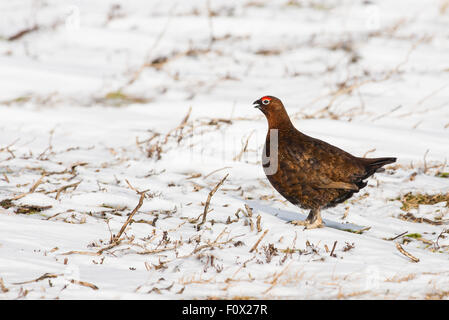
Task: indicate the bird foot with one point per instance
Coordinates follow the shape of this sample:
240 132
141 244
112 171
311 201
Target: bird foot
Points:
299 222
318 223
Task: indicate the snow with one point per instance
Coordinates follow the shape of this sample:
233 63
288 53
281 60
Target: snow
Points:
82 121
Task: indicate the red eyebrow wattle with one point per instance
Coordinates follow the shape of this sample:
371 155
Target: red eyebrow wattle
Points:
265 98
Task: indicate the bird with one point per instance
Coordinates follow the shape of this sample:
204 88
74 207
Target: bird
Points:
308 172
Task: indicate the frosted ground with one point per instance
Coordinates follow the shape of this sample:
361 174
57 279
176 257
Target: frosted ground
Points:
116 112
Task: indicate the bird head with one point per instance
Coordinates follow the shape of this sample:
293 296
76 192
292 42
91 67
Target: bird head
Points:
269 105
274 111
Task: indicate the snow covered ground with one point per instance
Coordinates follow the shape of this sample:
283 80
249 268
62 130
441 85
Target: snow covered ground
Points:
101 100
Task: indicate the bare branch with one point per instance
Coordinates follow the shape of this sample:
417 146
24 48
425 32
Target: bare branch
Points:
209 197
258 241
405 253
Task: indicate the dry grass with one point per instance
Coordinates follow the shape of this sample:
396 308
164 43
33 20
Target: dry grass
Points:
342 295
398 279
412 201
119 98
156 145
436 168
437 295
412 218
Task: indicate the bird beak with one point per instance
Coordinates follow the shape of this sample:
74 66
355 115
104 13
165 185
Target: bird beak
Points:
257 104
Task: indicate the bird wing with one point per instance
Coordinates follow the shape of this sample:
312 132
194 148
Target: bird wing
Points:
330 184
323 166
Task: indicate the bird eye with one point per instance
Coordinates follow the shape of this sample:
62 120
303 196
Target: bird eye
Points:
265 101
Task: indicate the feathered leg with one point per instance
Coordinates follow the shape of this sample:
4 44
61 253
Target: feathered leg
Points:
312 221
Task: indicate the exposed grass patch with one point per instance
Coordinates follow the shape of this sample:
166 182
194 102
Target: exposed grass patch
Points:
23 209
437 295
398 279
412 201
360 231
443 174
18 100
31 209
7 203
414 235
412 218
119 98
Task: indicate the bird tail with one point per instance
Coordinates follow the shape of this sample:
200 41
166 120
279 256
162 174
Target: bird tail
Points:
373 165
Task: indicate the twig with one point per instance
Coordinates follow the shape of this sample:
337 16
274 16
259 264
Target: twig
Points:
405 253
64 188
180 126
251 224
332 251
2 286
258 241
220 235
157 250
398 236
436 245
21 33
244 149
84 283
362 230
42 277
213 244
345 215
387 113
86 253
134 189
259 229
209 197
211 173
117 237
369 151
249 210
55 215
9 145
276 277
32 189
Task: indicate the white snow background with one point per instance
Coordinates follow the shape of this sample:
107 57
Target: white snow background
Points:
101 100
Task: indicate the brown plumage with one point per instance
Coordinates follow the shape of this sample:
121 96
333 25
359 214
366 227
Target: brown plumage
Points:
308 172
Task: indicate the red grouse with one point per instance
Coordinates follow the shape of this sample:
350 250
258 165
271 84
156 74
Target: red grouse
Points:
308 172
